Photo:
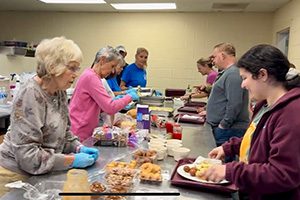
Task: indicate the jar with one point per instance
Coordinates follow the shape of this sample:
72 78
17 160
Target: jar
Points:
77 181
177 131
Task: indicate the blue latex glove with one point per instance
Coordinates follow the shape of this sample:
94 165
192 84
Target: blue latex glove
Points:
130 90
83 160
91 151
129 106
118 97
134 95
158 93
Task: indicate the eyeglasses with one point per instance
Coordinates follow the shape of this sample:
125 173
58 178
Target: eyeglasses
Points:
74 69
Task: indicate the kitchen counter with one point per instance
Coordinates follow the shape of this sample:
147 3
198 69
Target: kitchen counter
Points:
196 137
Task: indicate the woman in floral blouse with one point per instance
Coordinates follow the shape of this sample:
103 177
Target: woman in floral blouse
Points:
39 140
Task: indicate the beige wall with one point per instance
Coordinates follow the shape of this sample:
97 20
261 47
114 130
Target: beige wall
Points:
289 17
175 40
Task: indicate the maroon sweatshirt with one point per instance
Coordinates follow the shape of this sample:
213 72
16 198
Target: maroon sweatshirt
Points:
273 171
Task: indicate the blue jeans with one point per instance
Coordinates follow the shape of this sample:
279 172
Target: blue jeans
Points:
223 135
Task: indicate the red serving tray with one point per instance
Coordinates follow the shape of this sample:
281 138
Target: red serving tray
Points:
178 180
200 120
195 104
189 109
169 92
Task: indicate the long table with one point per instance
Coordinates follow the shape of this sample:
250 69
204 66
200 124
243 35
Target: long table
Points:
196 137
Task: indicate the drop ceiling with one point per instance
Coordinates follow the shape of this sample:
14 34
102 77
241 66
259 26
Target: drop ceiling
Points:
182 6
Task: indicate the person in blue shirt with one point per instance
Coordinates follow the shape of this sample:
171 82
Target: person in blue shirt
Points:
113 81
135 74
121 49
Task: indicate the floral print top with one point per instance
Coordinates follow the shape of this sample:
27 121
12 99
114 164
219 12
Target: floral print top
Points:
39 137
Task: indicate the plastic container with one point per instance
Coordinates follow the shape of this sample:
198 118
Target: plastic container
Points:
3 95
50 188
180 152
177 131
77 181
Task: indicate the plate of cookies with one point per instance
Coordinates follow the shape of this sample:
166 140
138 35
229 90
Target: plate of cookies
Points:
194 171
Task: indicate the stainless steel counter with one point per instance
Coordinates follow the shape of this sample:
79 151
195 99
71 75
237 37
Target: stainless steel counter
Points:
196 137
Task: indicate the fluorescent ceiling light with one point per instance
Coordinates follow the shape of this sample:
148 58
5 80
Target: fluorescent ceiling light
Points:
144 6
74 1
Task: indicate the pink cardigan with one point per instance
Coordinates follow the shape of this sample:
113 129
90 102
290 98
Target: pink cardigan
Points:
88 101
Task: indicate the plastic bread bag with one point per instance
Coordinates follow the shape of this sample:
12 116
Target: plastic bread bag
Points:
124 121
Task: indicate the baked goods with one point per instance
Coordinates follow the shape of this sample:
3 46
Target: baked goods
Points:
114 164
150 172
120 177
128 124
97 187
144 156
132 113
110 136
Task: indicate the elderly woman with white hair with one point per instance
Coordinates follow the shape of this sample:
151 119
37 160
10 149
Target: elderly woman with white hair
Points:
90 97
39 140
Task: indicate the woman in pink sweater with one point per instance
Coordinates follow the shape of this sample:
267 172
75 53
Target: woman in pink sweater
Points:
90 97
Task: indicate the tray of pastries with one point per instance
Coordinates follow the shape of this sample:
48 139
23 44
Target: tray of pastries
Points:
119 164
145 156
150 173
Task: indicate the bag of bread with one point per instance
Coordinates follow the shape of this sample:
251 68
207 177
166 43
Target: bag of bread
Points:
132 113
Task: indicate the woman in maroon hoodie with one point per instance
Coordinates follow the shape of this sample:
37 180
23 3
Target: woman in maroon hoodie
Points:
269 152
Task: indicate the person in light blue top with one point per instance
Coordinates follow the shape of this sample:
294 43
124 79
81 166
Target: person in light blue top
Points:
135 74
112 79
113 84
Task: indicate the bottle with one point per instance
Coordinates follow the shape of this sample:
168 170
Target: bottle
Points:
188 93
3 95
177 131
189 89
169 130
77 181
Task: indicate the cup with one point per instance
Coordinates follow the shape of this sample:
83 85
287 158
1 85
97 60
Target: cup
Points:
161 153
169 127
180 152
170 147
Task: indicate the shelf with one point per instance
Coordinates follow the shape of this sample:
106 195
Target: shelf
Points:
19 51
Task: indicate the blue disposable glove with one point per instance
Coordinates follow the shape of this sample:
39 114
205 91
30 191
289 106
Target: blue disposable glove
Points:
82 160
91 151
118 97
129 106
134 95
130 90
158 93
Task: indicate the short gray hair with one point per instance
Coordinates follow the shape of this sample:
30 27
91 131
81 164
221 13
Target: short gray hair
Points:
54 54
109 53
